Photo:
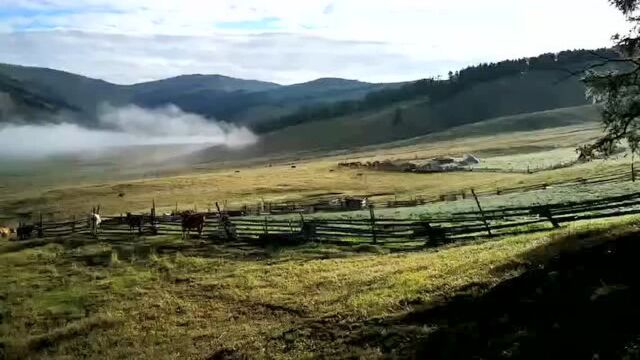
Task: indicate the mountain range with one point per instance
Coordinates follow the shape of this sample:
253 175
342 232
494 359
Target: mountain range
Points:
213 96
325 113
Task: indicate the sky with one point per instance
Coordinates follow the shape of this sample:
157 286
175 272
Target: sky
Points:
292 41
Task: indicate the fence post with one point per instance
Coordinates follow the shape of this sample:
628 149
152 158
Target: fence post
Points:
154 229
73 225
40 229
546 212
633 173
484 219
224 220
266 225
373 224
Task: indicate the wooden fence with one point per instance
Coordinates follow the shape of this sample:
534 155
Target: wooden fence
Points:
342 204
432 230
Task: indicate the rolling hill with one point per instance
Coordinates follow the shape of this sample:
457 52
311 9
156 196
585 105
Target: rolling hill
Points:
344 134
213 96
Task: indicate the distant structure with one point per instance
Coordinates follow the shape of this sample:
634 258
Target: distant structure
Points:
469 159
438 164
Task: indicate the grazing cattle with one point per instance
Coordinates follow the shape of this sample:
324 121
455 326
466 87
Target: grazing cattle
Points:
365 203
5 232
435 235
134 221
192 221
94 223
25 231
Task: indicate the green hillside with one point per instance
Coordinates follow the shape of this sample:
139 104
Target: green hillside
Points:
356 132
571 116
521 94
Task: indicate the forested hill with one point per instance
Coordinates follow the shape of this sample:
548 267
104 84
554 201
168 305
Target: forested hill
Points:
21 101
546 81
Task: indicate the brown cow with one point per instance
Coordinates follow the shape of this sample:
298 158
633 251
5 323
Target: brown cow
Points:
192 221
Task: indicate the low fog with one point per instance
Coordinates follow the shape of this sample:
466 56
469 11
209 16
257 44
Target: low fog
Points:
119 127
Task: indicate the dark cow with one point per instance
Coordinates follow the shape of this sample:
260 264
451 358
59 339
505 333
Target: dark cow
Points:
134 221
435 235
25 231
192 221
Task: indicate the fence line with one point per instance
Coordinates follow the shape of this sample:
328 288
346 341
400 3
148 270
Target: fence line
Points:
430 231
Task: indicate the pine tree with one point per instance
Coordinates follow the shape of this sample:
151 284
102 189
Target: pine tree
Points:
615 84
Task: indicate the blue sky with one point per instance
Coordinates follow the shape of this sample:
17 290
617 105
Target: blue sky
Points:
292 41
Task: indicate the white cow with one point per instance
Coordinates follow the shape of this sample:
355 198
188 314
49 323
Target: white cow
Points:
365 203
94 223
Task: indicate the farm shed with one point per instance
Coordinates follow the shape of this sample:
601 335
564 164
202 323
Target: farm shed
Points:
469 159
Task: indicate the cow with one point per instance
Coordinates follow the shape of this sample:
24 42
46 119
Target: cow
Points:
94 223
192 221
134 221
25 231
365 203
6 232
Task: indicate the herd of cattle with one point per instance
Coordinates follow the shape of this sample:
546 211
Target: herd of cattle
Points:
189 221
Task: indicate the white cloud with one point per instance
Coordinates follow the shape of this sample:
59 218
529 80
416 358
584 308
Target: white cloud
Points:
374 40
284 58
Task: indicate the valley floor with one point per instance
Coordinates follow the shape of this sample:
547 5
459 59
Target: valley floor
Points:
50 190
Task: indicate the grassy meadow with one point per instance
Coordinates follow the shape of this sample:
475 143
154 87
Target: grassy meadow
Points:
165 298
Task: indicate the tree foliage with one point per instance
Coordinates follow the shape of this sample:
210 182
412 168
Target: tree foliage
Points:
615 83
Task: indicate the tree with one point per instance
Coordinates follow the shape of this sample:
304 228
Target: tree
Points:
615 84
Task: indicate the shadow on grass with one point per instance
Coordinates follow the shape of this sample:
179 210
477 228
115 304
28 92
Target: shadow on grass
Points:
582 303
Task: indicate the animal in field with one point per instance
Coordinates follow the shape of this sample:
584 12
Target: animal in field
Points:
435 235
6 232
134 221
25 231
94 223
192 221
